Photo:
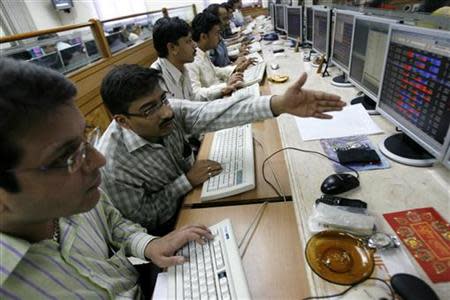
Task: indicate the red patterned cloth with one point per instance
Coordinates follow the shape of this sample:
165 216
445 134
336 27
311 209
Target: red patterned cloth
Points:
427 236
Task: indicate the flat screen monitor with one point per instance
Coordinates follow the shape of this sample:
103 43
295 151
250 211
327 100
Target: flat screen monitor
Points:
51 60
367 56
272 13
309 24
342 39
321 30
115 42
279 19
294 22
415 93
74 57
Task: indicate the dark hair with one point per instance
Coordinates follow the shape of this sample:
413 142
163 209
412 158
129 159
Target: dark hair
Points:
168 30
213 9
125 84
28 94
227 5
203 23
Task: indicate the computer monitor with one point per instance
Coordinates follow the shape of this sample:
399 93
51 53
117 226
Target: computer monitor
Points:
321 30
115 42
74 57
415 94
341 45
272 13
51 60
92 50
294 22
309 24
22 55
280 15
367 57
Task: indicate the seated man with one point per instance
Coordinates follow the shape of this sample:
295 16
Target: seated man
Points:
150 166
172 39
60 237
238 18
220 56
210 82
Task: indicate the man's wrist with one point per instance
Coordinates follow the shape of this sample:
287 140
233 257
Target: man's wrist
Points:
276 105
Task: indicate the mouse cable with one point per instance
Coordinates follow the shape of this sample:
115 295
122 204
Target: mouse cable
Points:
351 287
278 191
254 224
306 151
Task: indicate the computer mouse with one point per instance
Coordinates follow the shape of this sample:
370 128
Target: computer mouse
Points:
274 66
410 287
339 183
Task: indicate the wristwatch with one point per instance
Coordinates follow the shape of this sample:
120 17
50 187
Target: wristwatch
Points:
382 241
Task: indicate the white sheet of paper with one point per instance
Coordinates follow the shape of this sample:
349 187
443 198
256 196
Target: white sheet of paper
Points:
161 287
352 120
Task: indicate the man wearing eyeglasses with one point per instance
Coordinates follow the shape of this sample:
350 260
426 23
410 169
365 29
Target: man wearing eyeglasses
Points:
150 166
60 237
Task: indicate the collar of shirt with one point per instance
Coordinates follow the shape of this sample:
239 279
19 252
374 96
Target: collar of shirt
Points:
173 71
131 140
12 250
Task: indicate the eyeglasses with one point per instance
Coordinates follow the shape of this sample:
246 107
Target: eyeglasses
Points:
152 109
74 161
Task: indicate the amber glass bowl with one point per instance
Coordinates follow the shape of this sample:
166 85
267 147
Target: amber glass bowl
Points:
339 257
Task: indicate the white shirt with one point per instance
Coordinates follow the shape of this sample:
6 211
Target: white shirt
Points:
238 18
207 80
177 83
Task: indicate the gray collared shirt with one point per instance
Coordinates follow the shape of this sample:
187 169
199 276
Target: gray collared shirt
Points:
177 83
146 181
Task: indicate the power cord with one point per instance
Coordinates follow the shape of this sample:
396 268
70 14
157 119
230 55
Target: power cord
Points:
351 287
254 224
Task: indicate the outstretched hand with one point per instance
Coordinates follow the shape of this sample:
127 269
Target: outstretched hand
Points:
306 103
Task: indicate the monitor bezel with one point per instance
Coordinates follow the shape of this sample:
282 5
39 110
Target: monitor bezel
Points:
416 134
328 10
357 84
298 7
272 13
276 18
306 24
344 69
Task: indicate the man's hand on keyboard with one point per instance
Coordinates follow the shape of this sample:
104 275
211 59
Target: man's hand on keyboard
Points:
235 77
202 170
305 103
161 251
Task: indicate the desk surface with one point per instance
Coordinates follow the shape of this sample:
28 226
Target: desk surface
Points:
273 261
397 188
267 133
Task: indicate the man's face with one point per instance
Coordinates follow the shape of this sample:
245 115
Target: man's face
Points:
53 193
185 49
213 37
223 16
158 123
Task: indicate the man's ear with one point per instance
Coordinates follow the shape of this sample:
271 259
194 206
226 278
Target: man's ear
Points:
203 36
123 121
172 48
3 202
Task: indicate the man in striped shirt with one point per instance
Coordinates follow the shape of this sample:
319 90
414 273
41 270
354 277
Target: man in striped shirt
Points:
60 237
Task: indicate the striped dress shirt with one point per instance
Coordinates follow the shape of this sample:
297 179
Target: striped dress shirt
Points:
207 80
146 181
89 262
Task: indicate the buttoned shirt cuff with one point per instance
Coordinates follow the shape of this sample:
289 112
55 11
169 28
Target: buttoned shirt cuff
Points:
139 242
182 185
263 108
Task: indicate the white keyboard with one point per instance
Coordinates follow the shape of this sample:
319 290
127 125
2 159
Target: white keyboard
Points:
246 92
214 270
256 56
233 149
254 47
254 74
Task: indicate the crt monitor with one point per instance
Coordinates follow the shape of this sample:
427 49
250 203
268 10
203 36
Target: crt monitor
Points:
294 22
309 24
51 60
367 57
279 19
415 94
321 30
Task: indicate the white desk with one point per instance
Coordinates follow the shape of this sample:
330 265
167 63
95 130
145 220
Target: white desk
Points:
395 189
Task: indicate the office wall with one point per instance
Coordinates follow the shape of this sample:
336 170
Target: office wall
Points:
45 16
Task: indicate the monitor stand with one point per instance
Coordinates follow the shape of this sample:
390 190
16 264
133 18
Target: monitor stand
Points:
341 81
308 58
368 104
401 148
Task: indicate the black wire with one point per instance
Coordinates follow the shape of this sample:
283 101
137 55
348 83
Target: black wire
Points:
301 150
351 287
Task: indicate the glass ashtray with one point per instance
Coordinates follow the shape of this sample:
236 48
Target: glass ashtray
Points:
339 257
